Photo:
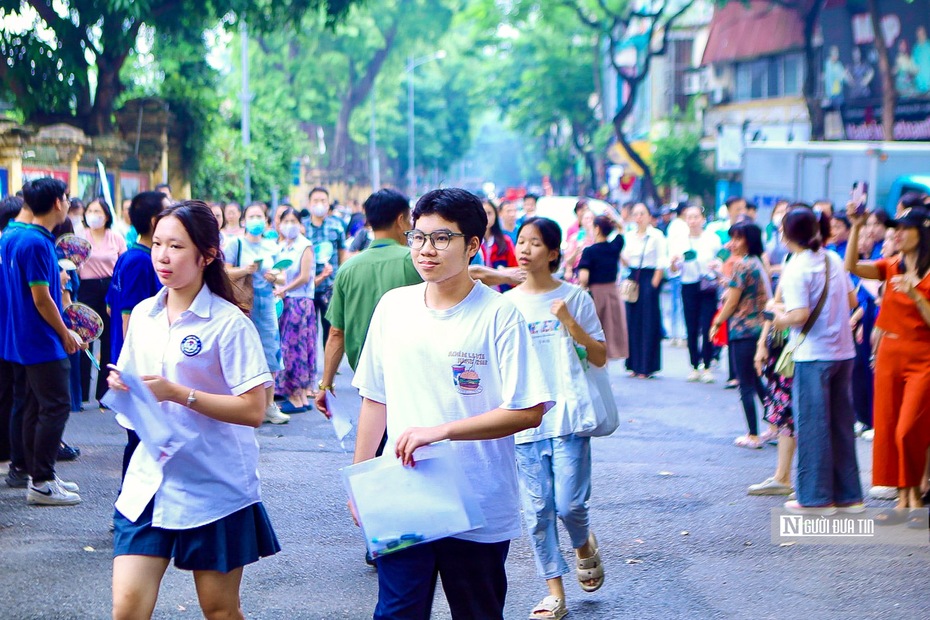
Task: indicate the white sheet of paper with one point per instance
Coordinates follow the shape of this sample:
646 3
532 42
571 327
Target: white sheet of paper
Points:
342 416
402 506
160 434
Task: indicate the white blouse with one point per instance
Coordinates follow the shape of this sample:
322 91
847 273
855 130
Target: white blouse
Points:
706 246
650 248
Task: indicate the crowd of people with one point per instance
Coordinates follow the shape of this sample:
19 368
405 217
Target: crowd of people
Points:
219 311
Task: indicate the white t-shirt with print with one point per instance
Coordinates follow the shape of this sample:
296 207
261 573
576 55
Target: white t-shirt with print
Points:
546 333
434 366
802 281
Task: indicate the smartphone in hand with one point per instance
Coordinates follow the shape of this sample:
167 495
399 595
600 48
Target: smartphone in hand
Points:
860 196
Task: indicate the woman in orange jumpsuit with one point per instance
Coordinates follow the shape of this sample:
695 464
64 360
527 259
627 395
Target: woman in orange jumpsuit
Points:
902 368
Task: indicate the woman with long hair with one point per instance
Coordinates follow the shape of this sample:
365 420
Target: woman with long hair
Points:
232 221
254 256
597 271
747 294
554 464
902 365
496 248
645 253
297 322
818 296
190 345
96 273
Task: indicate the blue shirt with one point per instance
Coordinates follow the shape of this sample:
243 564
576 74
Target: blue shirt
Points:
134 279
328 237
28 259
6 318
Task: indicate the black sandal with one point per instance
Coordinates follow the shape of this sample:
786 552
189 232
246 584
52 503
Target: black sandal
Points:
892 516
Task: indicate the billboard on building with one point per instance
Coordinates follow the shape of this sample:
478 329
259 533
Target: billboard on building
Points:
851 83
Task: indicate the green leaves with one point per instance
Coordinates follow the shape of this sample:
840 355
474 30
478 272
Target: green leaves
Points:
678 161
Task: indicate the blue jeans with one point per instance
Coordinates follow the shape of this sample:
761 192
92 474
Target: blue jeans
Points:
673 311
824 416
473 579
555 480
265 319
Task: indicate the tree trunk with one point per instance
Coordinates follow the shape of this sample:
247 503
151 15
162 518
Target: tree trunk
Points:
100 121
648 190
889 92
357 91
812 70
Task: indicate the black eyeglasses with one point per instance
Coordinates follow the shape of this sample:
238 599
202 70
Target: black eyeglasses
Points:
416 239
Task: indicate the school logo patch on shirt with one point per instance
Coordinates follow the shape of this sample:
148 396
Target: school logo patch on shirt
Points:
191 346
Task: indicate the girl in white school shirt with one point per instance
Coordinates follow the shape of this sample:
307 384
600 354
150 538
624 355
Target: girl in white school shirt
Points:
553 464
193 347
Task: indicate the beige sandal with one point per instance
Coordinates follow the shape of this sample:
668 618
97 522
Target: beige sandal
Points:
590 568
550 608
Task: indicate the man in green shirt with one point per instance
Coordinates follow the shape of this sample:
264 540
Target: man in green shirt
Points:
362 280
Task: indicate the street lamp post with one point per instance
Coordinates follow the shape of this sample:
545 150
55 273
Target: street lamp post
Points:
413 63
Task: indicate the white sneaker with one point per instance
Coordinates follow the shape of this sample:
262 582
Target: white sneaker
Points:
694 375
273 415
707 376
888 493
770 486
71 487
51 493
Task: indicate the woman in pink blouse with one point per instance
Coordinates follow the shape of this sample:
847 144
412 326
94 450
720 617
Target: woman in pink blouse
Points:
95 273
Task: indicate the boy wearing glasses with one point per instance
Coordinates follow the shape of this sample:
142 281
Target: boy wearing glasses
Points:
463 370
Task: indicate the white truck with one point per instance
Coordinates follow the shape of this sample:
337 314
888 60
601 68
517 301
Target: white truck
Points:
808 171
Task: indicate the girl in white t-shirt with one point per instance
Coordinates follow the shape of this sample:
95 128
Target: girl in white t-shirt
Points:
554 465
195 350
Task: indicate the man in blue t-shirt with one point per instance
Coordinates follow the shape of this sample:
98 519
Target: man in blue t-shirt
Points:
134 280
40 342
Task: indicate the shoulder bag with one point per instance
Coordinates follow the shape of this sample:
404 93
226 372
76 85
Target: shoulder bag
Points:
629 288
242 287
785 364
586 389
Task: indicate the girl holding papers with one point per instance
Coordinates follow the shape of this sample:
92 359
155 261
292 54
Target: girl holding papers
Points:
192 347
554 464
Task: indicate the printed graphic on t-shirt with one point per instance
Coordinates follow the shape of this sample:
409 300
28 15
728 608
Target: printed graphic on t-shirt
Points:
544 327
465 376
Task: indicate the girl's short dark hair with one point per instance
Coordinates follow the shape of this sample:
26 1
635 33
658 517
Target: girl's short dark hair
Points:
752 234
197 219
806 227
288 210
551 234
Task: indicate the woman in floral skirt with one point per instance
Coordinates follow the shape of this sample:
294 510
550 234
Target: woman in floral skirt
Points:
297 322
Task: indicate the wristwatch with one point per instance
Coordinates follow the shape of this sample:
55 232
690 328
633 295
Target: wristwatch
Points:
191 399
328 388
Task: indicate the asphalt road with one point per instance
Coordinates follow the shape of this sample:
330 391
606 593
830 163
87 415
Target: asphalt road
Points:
679 536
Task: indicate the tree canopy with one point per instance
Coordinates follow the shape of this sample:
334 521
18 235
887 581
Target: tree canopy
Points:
61 61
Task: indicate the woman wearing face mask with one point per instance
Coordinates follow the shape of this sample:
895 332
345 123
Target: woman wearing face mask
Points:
96 272
776 251
297 323
253 255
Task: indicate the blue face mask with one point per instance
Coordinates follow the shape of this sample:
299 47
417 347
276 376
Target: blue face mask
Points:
255 227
